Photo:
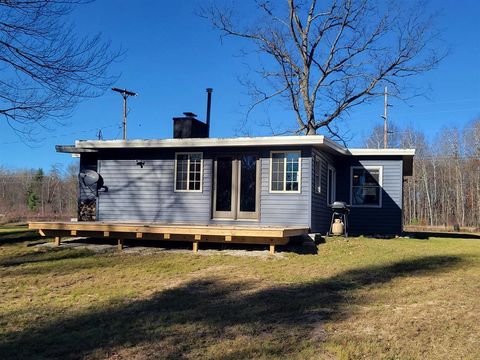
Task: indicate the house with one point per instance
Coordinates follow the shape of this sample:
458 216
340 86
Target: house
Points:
251 181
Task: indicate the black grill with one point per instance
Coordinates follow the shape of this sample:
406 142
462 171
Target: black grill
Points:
340 206
340 210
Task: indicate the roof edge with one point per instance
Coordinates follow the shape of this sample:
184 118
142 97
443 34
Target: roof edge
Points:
377 152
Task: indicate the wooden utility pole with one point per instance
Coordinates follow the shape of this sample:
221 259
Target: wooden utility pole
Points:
385 119
125 94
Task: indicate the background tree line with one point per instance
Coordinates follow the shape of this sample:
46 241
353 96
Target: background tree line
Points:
36 194
445 187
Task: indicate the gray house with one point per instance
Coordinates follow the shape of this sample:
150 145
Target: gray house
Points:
246 181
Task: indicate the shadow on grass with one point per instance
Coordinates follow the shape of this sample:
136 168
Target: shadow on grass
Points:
449 235
188 319
19 236
47 256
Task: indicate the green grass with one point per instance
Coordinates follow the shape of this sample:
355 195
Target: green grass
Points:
357 299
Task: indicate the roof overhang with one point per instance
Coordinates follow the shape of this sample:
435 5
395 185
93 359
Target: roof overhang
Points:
314 140
318 141
405 154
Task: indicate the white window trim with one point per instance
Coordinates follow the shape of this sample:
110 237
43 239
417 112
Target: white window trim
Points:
329 190
285 173
188 172
380 178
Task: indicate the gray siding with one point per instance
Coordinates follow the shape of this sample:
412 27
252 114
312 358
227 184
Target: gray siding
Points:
286 208
321 213
384 220
147 194
136 194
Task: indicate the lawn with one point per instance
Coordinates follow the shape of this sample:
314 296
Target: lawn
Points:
362 298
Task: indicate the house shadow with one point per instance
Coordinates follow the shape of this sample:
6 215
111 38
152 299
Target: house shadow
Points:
203 312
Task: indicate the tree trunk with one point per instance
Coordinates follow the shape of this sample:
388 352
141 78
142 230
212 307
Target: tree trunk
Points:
311 130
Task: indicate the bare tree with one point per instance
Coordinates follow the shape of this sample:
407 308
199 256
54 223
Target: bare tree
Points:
46 68
375 139
327 57
445 187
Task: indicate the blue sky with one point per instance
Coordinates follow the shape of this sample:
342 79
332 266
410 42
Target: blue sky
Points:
172 55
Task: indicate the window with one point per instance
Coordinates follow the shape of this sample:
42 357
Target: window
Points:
366 184
331 185
188 172
285 172
317 174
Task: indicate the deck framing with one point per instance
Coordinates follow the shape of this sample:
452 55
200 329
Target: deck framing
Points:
170 232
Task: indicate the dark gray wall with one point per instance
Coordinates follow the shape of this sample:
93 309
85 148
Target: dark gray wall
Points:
364 220
321 213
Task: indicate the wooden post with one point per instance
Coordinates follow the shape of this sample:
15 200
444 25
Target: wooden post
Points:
272 249
120 244
57 241
195 247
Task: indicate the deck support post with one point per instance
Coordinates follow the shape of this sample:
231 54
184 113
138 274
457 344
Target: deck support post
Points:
272 249
57 240
120 244
195 247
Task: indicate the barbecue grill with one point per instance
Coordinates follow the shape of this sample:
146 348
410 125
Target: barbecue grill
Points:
340 210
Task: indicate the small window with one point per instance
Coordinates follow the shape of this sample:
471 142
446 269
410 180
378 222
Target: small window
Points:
331 185
317 174
366 186
188 172
285 172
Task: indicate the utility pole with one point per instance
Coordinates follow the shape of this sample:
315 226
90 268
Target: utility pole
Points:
125 94
385 119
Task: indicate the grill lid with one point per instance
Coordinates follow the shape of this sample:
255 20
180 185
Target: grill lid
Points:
339 205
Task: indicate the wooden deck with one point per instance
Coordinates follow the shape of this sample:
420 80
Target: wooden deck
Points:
172 232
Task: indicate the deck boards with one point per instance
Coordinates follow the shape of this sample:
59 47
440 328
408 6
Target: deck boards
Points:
269 235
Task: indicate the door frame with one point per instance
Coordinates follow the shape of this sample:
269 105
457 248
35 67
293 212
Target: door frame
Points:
235 213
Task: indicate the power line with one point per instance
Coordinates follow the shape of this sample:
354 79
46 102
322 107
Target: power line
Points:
62 135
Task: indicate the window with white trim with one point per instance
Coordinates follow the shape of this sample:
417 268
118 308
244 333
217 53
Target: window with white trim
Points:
188 172
366 186
331 185
285 171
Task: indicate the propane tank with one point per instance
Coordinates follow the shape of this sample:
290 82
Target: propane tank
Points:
338 227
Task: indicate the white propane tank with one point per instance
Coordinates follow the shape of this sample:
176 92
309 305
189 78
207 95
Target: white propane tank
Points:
338 228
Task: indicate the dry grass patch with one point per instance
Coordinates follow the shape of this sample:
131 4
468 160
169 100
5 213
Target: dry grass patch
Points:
362 298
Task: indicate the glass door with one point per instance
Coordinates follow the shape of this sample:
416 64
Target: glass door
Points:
223 192
248 189
236 191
